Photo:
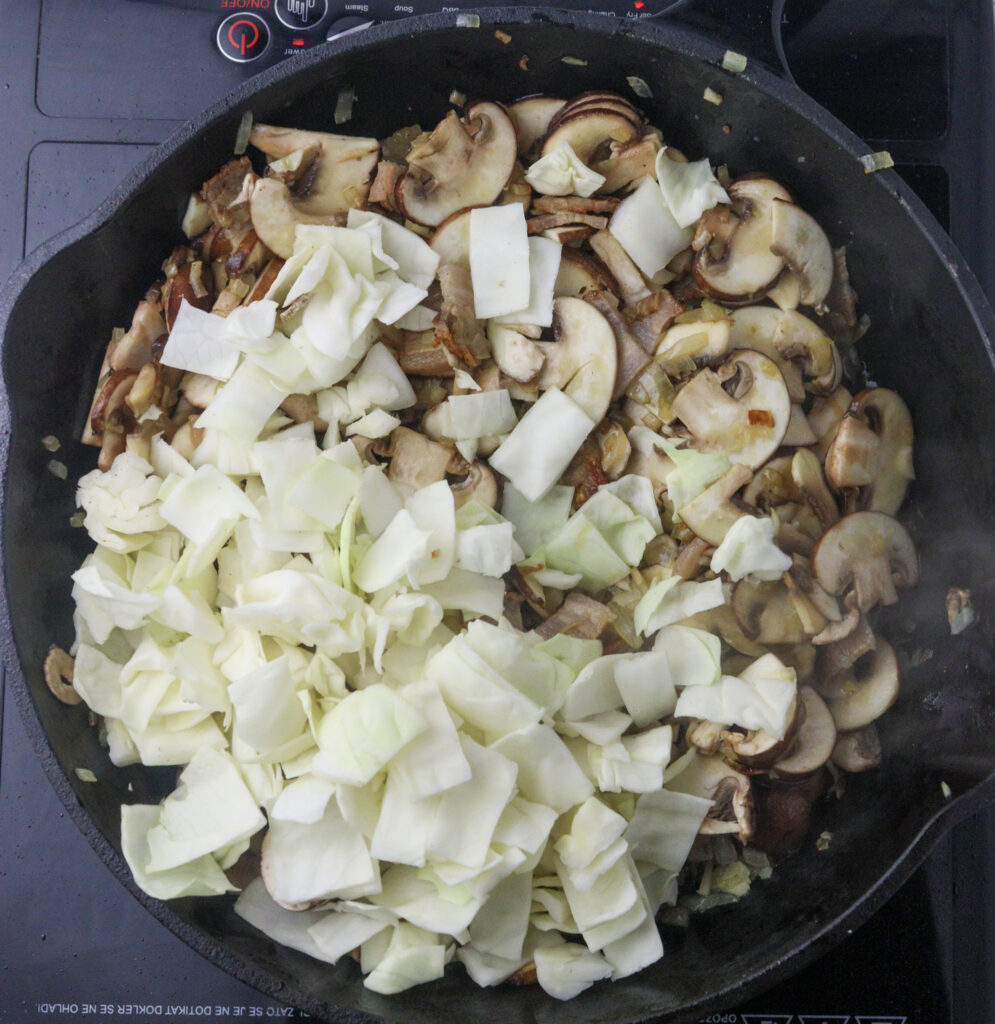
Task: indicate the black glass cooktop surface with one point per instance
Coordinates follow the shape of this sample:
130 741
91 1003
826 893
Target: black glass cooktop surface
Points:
87 89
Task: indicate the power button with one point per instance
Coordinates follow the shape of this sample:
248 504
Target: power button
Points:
243 37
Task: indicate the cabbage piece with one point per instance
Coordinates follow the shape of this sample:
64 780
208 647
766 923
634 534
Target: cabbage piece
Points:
640 682
404 825
580 549
761 697
469 592
282 460
634 764
693 473
189 613
416 261
200 877
637 492
688 189
595 828
381 381
304 800
198 503
300 608
562 173
411 959
671 599
209 809
375 423
601 729
640 947
417 896
164 458
664 827
433 510
500 926
251 328
121 504
287 927
200 681
340 932
535 454
434 760
626 530
198 342
525 825
547 771
97 680
536 522
477 693
379 500
566 970
693 655
323 491
361 734
499 260
242 407
162 744
482 414
104 602
269 719
305 863
489 549
544 267
748 549
468 813
646 229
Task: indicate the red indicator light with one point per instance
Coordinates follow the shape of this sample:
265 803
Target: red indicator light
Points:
297 42
246 36
638 4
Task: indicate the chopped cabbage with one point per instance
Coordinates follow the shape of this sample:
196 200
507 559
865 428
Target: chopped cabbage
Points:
689 189
499 260
748 549
562 173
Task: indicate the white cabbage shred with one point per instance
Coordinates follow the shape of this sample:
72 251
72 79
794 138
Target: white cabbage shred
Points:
283 622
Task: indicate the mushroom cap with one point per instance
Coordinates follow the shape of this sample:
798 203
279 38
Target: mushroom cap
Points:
340 175
872 450
755 327
746 426
734 262
462 163
275 216
870 551
857 699
858 751
451 239
589 128
531 117
815 740
582 272
766 613
799 240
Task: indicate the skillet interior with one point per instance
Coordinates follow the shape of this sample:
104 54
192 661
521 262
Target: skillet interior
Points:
929 340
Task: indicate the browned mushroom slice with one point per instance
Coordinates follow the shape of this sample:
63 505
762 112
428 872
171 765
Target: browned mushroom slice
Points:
814 743
581 272
782 820
276 215
590 130
711 778
870 551
797 237
457 328
857 699
573 204
825 416
801 340
754 327
384 184
480 484
516 356
766 612
615 448
451 239
462 163
422 355
741 410
579 616
734 261
59 668
549 221
339 177
630 283
807 476
110 401
221 190
597 100
712 513
651 316
858 751
631 358
760 749
532 117
703 339
192 282
582 361
704 736
137 345
628 163
415 460
872 450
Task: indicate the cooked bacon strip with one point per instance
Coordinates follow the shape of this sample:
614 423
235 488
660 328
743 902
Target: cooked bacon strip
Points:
650 317
382 189
579 616
224 188
457 328
573 204
632 359
537 225
421 355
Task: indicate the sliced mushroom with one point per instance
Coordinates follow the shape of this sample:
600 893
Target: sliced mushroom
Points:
872 450
590 130
734 261
629 280
628 163
630 357
712 513
857 699
417 461
801 340
799 240
755 327
712 779
338 177
517 356
582 361
798 433
759 749
462 163
451 239
191 282
871 552
581 272
858 751
422 355
275 216
814 743
692 557
806 472
766 613
59 668
824 417
615 448
747 425
532 117
480 484
706 737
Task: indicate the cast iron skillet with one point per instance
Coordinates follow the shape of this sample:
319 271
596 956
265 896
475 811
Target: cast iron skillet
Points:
929 339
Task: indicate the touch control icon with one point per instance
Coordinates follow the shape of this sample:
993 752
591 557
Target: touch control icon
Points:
243 37
301 14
